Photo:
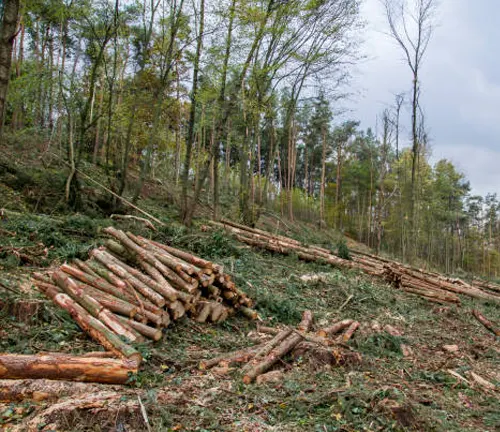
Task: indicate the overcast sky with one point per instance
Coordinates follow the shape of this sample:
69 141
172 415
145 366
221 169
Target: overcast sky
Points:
460 84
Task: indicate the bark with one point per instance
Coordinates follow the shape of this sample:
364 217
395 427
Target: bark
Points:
7 36
241 355
486 322
266 349
65 367
143 329
95 281
38 390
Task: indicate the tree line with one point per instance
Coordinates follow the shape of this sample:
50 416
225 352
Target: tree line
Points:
236 103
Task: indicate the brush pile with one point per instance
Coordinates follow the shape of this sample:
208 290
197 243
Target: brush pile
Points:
128 291
326 347
431 286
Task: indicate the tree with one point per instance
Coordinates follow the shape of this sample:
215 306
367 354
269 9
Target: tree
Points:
7 36
411 27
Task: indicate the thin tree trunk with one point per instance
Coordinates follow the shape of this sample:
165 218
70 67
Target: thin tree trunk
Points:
7 36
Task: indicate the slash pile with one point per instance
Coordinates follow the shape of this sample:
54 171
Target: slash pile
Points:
259 359
431 286
133 287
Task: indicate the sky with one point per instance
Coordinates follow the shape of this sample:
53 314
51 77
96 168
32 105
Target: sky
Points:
460 85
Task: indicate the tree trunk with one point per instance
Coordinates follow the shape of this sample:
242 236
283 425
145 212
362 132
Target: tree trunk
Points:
7 36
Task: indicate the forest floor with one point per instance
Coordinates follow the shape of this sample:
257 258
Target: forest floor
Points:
403 383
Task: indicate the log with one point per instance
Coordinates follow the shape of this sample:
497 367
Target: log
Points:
486 322
93 307
95 281
335 328
265 350
240 355
143 329
112 303
83 266
171 261
204 310
350 331
96 329
106 274
279 351
133 276
249 313
189 258
68 368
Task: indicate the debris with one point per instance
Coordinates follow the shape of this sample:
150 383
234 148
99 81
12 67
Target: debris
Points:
261 358
482 382
393 331
451 348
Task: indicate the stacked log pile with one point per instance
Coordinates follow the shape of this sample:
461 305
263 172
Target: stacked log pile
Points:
128 291
429 285
326 345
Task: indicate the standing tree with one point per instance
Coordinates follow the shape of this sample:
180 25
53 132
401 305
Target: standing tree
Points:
411 27
7 36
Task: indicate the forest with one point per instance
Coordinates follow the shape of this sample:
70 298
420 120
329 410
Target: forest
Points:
241 101
198 233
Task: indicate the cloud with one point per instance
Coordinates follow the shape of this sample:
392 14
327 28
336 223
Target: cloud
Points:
460 81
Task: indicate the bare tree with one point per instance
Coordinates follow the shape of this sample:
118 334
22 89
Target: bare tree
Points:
7 36
411 26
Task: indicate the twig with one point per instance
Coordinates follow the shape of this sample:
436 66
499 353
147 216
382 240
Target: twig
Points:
345 303
144 413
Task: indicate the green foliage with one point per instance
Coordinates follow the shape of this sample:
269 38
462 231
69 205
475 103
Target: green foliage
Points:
343 250
217 244
381 345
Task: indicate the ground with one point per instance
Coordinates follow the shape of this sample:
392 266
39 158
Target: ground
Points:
410 382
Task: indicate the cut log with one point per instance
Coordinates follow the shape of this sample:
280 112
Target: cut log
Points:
143 329
249 313
350 332
83 266
69 368
265 350
103 272
96 281
96 329
279 351
93 307
335 328
486 322
204 310
241 355
133 276
192 259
